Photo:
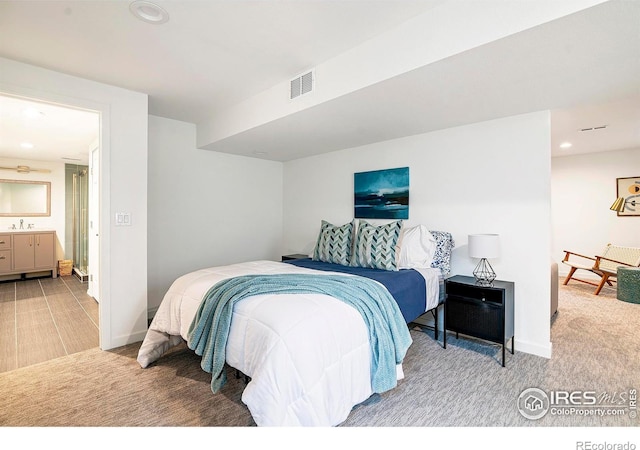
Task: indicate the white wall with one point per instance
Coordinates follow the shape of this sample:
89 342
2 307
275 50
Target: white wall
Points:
123 178
455 27
206 208
583 187
491 177
56 221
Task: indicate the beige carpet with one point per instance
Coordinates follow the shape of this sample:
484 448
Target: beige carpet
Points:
596 347
96 388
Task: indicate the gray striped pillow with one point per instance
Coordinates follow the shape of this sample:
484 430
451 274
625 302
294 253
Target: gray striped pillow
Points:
377 246
334 243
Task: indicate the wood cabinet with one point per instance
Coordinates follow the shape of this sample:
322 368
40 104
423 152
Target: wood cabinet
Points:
26 252
6 260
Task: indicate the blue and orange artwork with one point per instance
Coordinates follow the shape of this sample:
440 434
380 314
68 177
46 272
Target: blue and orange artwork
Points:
382 194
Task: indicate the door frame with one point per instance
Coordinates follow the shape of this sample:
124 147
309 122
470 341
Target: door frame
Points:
94 222
103 111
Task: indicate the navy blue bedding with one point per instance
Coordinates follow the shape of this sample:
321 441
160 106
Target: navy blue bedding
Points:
406 286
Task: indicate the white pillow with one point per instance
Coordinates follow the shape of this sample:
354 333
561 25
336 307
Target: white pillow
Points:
417 248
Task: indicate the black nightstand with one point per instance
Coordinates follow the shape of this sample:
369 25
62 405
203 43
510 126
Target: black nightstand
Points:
484 312
294 256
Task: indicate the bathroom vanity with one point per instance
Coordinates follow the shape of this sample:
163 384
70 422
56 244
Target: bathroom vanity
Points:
28 251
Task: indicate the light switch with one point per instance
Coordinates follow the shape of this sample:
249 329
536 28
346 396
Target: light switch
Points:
123 219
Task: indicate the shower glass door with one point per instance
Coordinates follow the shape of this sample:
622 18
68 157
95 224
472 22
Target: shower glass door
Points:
80 221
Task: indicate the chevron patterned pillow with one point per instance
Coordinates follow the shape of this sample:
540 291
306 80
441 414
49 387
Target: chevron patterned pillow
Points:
376 246
334 243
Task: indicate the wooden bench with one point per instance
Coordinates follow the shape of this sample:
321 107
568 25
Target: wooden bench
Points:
605 265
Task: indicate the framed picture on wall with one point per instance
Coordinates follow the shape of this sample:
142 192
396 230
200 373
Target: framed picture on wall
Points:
382 194
629 190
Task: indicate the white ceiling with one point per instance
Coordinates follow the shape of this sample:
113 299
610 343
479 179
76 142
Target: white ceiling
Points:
213 54
56 133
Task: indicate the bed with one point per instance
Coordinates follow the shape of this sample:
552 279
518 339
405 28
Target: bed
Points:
308 354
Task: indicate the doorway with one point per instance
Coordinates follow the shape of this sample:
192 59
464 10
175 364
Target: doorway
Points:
63 139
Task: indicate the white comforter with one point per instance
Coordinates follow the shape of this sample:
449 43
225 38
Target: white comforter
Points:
308 355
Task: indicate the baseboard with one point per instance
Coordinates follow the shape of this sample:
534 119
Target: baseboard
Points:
123 340
590 276
534 349
151 312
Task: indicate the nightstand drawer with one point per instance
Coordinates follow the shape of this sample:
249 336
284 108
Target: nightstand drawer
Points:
481 293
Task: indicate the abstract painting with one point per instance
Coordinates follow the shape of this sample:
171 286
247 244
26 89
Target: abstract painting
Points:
629 189
382 194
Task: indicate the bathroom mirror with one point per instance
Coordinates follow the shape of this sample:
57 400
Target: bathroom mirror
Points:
25 198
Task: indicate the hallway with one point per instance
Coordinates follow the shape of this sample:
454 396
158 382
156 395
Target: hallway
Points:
45 318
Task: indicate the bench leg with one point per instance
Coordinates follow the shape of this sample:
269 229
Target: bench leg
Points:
571 272
604 280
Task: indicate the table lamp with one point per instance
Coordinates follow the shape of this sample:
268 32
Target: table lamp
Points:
484 246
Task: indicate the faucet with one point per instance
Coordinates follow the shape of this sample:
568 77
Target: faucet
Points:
22 224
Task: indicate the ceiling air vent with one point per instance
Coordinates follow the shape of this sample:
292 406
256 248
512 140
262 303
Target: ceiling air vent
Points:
601 127
301 85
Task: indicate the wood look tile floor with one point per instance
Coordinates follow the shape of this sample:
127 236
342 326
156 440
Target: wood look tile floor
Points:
45 318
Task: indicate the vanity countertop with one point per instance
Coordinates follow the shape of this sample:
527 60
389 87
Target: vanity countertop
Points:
32 230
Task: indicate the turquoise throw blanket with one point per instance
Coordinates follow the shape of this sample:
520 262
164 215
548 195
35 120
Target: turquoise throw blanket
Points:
388 332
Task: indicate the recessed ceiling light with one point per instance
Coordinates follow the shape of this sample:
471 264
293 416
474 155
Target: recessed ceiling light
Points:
149 12
26 145
566 145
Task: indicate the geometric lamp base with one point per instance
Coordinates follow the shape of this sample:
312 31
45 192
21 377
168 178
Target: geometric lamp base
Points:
484 273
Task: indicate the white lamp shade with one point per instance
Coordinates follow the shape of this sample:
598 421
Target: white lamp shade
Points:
484 245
